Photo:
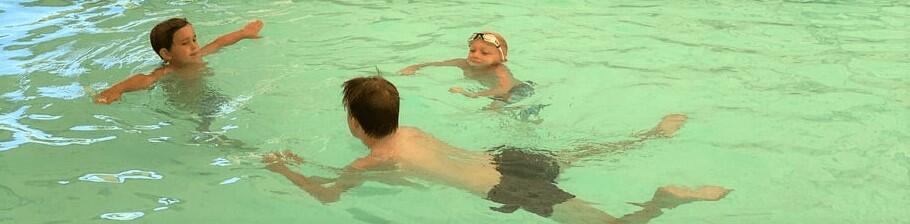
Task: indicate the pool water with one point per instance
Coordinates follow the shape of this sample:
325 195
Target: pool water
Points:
802 107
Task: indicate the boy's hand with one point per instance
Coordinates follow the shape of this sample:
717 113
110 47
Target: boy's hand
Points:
251 30
107 97
410 70
282 157
277 162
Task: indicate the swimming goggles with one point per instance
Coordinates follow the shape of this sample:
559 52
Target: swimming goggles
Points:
489 38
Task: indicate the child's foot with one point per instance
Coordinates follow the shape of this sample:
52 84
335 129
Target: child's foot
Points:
670 124
672 196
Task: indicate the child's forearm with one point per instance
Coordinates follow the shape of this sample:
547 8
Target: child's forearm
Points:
451 62
229 39
223 41
323 194
413 68
133 83
250 31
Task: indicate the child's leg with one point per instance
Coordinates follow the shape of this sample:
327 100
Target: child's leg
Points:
578 211
527 113
496 105
665 129
671 197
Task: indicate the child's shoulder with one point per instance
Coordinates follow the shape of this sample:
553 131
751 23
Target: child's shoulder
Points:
164 69
409 132
413 135
502 69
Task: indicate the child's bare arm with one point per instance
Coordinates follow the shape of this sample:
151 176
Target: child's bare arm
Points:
250 31
502 86
349 178
133 83
457 62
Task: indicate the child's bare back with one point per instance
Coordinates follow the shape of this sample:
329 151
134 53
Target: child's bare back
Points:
516 178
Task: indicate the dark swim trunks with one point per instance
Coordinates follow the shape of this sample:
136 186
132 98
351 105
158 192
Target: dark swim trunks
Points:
518 93
527 182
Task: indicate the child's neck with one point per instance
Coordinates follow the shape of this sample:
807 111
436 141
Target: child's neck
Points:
378 145
475 71
485 67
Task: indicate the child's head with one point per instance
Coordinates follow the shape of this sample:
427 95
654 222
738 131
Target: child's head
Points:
372 105
487 48
174 40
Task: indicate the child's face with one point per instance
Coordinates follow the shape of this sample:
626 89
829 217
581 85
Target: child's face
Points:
482 54
184 49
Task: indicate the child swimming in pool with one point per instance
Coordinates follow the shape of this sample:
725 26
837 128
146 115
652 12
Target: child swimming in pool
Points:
487 54
181 74
516 178
174 40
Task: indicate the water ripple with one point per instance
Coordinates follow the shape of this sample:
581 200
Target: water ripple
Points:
43 117
120 177
23 134
117 124
67 92
122 216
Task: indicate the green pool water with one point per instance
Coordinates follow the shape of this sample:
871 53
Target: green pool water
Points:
802 107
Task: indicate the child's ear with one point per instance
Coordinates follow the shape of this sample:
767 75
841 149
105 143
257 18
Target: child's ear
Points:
165 54
354 127
353 122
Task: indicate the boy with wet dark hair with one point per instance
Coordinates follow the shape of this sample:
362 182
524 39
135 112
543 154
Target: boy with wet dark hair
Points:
516 178
373 103
174 40
181 74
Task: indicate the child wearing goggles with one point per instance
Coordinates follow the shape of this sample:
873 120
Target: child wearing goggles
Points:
487 53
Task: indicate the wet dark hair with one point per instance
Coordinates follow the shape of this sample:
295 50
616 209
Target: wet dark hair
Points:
373 102
162 36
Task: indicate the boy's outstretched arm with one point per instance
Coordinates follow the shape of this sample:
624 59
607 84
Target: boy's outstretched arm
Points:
457 62
133 83
250 31
350 177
